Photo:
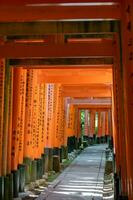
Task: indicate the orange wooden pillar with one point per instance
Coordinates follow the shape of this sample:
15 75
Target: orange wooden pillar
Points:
79 124
106 124
86 123
17 72
70 127
103 123
127 58
28 139
49 115
121 167
57 114
49 126
99 124
2 77
22 94
17 127
92 123
34 120
28 115
110 123
10 123
5 125
42 116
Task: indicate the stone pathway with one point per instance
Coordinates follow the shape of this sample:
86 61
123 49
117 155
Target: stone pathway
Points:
82 180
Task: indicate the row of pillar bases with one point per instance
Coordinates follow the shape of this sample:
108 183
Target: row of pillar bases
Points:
30 171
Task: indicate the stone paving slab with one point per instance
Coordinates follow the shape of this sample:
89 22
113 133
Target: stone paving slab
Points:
82 180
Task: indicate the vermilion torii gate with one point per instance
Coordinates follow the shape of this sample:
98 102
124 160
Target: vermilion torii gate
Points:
119 47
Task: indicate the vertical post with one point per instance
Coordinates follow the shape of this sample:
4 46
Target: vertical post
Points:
2 78
127 58
100 125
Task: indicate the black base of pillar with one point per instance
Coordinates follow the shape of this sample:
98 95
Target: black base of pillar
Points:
91 140
65 152
86 138
22 169
61 154
110 142
33 170
98 140
79 142
15 183
10 186
122 197
85 144
6 187
28 165
56 151
2 188
50 161
43 163
56 163
39 168
72 143
46 153
103 139
116 186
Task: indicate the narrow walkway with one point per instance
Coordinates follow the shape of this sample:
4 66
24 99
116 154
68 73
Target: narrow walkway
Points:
83 179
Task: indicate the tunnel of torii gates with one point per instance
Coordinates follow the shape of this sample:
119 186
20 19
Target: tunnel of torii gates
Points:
55 61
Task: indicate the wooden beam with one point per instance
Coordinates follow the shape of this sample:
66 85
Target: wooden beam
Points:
103 49
54 27
58 12
24 2
75 76
92 106
94 101
85 66
48 63
90 93
97 90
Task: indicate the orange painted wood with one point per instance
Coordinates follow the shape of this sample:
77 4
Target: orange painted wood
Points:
22 94
50 51
2 76
10 123
35 128
70 121
59 117
127 58
103 123
106 124
86 126
42 116
120 123
90 93
78 122
99 124
57 12
78 76
49 115
16 117
92 123
55 110
28 115
6 118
